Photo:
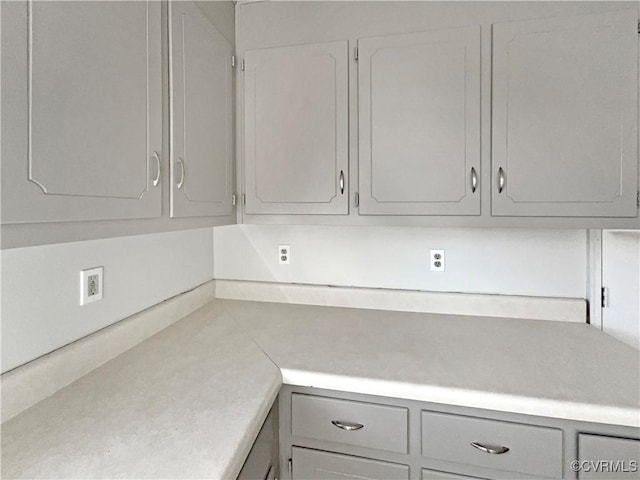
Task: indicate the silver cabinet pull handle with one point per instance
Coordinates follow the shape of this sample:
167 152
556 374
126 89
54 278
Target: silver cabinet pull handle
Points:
500 180
348 426
181 182
156 180
474 180
341 182
490 448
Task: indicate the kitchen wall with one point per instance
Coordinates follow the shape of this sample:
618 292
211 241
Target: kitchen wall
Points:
41 286
621 277
515 262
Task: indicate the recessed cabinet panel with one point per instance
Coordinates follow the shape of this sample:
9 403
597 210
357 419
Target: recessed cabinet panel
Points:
419 119
296 129
201 115
317 465
604 457
81 111
565 116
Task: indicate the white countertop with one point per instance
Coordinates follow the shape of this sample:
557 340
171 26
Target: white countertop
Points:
189 401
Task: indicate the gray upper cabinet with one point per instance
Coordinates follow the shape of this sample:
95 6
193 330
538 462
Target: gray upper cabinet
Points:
419 123
201 115
296 129
565 116
81 111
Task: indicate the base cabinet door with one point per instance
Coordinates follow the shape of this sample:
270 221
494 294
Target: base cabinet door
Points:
565 116
419 123
201 115
296 129
318 465
81 111
605 457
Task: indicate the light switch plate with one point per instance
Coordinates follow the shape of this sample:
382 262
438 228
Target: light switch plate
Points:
91 285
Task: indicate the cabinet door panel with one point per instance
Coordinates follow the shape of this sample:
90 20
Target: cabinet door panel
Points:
318 465
81 110
201 115
295 138
565 106
419 117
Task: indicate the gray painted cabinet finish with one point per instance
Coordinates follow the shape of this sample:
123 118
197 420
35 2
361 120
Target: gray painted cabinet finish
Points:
272 24
383 427
201 115
81 111
317 465
295 129
540 447
596 448
532 450
262 460
565 116
419 123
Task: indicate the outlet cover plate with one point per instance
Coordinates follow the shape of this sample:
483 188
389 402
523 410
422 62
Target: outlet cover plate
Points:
437 260
91 285
284 254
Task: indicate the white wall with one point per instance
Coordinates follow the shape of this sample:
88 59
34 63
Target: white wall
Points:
621 275
40 286
517 262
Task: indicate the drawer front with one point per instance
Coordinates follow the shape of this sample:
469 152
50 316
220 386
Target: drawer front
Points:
608 457
360 424
318 465
531 450
437 475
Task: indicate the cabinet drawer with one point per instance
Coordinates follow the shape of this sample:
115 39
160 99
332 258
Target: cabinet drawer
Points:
437 475
360 424
317 465
608 457
531 450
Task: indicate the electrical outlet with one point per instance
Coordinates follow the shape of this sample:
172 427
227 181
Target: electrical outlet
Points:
284 254
91 285
437 260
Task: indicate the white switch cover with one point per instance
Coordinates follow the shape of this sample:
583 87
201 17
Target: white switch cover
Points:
91 285
284 254
437 260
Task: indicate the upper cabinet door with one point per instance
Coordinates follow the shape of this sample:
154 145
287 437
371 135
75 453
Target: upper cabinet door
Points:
419 119
81 111
296 129
201 115
565 116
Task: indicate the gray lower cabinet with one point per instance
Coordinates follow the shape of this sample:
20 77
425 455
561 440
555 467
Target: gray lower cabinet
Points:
604 457
296 129
428 474
317 465
492 444
368 425
81 111
420 153
261 463
326 434
565 116
202 152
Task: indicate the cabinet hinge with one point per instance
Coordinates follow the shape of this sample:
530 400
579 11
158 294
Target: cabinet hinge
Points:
356 200
355 54
233 61
604 297
244 199
242 65
638 199
638 27
290 467
233 199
